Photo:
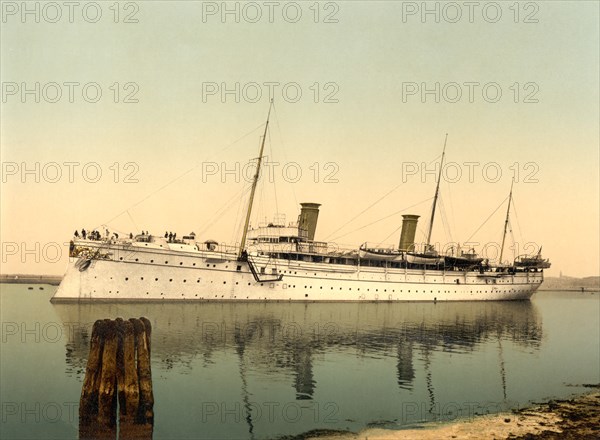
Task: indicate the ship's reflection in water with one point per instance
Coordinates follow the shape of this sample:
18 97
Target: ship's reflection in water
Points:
315 355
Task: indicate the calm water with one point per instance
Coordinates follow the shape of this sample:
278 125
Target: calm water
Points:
225 371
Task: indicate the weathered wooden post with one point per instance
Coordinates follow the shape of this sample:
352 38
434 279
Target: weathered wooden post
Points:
142 338
127 378
88 405
118 370
107 397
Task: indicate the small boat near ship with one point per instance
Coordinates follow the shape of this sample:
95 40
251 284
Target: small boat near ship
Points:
284 262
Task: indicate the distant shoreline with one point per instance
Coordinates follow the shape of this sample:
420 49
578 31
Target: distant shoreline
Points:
53 280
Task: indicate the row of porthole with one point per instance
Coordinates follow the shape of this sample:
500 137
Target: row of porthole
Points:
306 295
401 291
341 288
180 263
156 279
197 281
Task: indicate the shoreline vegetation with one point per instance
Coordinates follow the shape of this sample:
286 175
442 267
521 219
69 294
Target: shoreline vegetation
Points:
577 418
551 284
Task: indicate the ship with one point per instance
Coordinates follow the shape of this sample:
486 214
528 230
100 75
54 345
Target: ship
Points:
283 262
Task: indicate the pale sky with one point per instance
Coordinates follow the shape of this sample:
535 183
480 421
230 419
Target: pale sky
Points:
361 68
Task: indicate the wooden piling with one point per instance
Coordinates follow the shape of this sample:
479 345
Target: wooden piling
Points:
107 397
129 390
88 406
118 369
146 413
148 329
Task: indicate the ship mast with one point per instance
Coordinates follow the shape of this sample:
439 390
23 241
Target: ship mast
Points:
506 222
254 183
437 190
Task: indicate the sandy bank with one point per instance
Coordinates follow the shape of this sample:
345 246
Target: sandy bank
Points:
577 418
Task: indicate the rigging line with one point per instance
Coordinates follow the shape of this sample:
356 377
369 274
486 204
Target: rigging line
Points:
238 225
226 206
273 176
386 238
381 219
452 216
445 223
362 212
486 220
222 210
369 207
512 236
448 227
261 209
517 218
239 219
182 175
133 221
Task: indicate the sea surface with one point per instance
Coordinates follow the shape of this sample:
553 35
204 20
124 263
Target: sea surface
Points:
255 371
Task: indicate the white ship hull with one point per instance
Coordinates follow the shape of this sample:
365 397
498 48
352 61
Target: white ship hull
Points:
132 272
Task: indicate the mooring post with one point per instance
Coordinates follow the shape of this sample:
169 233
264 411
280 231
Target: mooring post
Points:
146 414
107 398
118 369
148 329
88 404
